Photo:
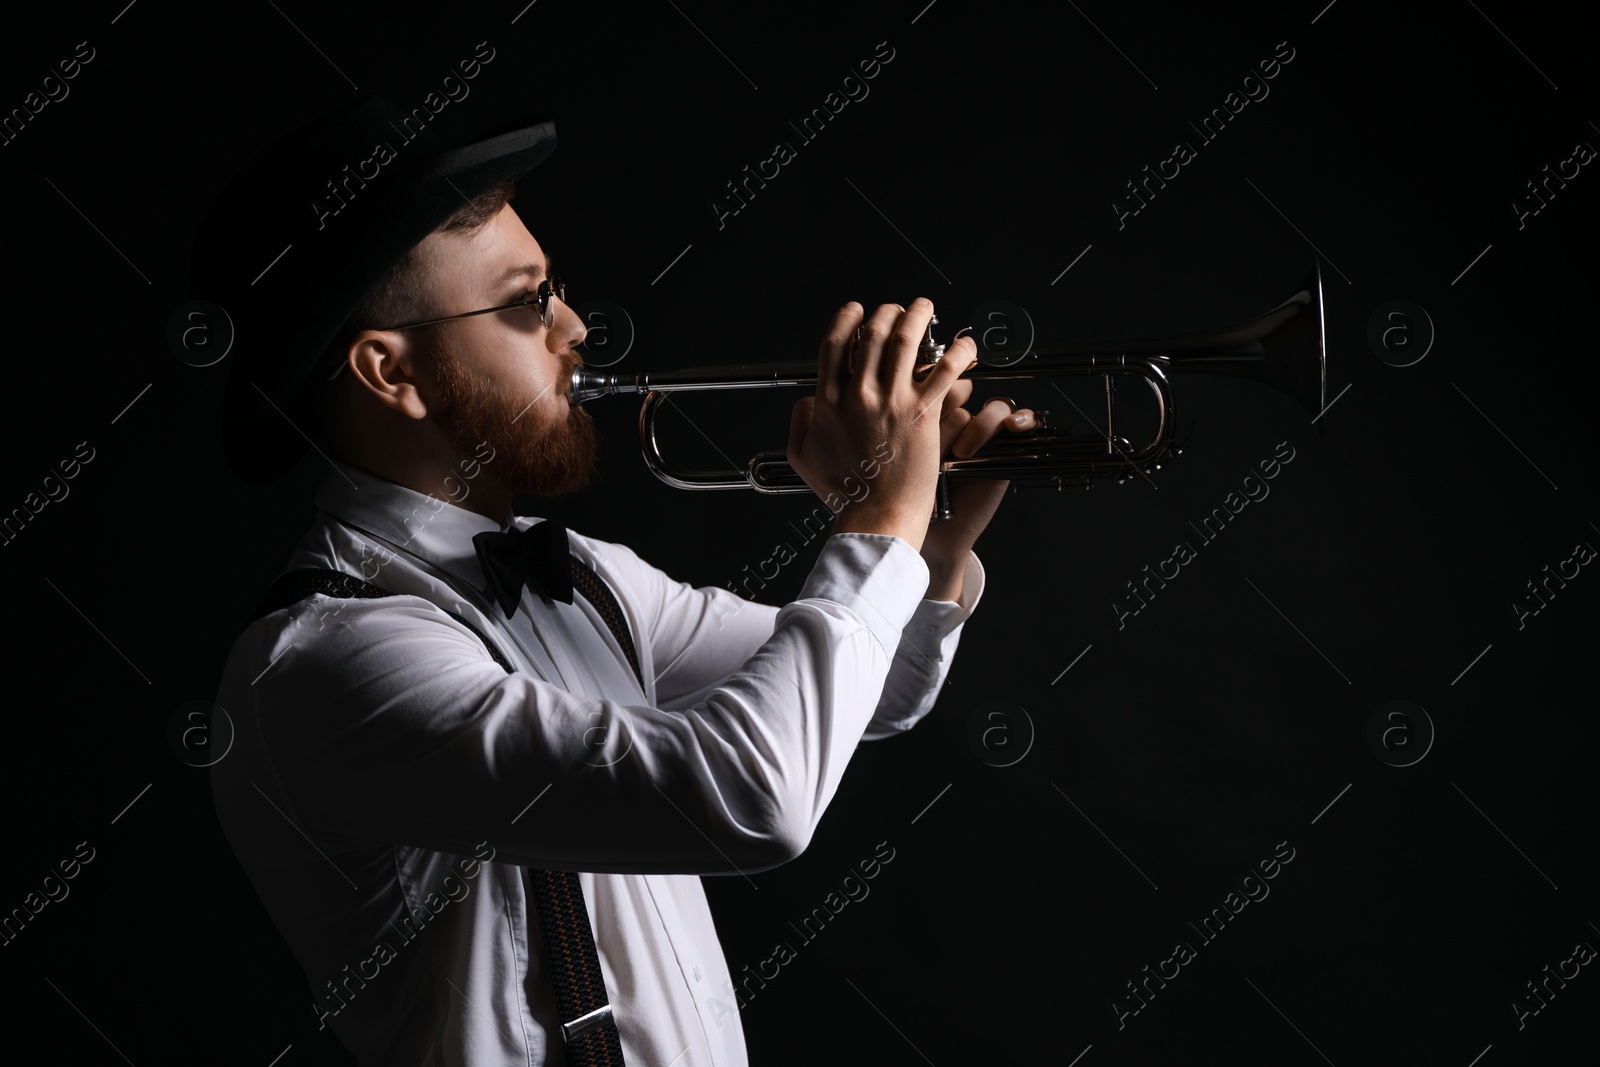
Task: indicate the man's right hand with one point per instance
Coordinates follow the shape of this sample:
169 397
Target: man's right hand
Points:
870 436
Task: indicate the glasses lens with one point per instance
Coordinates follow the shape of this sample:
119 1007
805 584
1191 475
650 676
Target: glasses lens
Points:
551 287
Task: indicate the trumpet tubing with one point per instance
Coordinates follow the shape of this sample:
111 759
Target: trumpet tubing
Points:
1282 348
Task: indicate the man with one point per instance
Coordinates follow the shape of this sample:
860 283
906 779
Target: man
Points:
422 753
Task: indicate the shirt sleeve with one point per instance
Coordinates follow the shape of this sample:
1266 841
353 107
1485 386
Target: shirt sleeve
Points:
391 726
927 645
700 635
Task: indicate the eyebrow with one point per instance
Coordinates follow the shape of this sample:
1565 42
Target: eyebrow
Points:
531 271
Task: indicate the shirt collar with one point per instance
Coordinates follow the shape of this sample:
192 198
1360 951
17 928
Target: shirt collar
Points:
426 526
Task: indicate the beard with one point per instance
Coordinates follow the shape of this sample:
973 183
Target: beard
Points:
541 456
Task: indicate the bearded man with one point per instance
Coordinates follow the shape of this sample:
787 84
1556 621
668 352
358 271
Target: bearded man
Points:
481 761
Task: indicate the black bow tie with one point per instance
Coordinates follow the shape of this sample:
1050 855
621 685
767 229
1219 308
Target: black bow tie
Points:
538 556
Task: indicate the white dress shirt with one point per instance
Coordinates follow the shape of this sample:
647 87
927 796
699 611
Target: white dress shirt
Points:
388 780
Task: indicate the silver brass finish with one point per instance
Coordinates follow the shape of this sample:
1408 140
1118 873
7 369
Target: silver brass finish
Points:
1282 348
585 1022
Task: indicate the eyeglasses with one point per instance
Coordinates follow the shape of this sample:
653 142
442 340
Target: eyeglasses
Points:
555 285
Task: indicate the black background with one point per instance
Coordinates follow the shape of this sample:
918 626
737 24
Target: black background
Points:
1177 751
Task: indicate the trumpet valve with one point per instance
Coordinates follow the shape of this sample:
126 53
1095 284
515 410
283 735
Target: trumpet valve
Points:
930 351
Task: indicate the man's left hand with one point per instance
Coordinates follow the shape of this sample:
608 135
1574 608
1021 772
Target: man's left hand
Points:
973 502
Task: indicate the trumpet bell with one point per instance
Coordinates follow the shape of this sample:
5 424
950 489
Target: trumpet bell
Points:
1283 348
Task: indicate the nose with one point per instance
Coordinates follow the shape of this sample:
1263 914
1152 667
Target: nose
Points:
567 330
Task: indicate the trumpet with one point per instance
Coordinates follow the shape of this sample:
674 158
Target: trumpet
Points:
1282 348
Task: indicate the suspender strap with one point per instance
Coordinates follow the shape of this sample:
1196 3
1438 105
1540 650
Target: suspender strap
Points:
595 590
295 586
588 1029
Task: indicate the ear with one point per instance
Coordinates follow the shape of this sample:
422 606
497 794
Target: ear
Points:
384 365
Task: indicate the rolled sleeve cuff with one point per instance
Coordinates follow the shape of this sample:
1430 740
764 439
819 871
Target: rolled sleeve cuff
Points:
880 577
935 621
929 643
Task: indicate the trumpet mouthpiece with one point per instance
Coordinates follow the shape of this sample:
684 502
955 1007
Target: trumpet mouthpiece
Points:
589 384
